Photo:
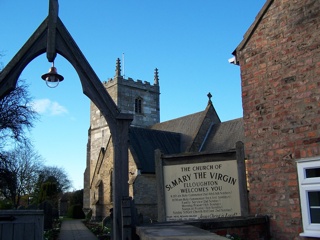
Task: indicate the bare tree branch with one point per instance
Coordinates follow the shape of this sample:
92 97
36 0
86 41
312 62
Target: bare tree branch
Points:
19 172
16 114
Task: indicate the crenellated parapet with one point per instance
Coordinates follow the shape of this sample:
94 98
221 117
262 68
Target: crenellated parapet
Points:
130 82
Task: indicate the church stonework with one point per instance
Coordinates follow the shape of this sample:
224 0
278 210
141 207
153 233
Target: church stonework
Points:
140 99
198 132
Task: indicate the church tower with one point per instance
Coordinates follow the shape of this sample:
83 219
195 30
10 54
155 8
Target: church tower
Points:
136 97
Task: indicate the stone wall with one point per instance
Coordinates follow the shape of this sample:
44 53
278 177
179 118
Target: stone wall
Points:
141 187
101 183
145 195
125 91
280 71
98 173
99 135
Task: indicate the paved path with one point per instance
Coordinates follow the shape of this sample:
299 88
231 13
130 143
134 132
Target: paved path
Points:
75 230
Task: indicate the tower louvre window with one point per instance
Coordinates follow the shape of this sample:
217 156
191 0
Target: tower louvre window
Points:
138 105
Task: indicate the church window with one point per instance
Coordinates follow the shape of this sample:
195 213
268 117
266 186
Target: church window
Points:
100 192
138 105
309 187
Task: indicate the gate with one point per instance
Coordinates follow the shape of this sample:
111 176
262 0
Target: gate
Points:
21 224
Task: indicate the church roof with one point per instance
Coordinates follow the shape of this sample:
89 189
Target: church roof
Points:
190 126
199 132
143 143
223 136
179 124
187 126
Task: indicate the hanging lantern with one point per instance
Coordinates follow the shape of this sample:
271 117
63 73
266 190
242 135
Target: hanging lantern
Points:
52 78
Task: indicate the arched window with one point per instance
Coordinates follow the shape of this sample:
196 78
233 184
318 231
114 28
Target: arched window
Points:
138 105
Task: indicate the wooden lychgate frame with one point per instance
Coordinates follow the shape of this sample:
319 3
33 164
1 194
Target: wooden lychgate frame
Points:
52 37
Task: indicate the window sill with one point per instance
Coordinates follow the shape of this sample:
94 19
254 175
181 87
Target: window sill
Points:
310 234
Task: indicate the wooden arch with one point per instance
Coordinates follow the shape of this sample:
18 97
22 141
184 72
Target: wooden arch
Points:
52 37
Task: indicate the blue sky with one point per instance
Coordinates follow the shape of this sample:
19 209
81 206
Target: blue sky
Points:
189 41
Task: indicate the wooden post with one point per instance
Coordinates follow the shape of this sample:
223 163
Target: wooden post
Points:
52 25
160 186
242 179
121 171
127 218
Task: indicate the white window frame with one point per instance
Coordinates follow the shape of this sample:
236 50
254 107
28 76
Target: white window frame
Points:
306 185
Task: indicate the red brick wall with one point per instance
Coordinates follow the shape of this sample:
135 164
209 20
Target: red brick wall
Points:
280 71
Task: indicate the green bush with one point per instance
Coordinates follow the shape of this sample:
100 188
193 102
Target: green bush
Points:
75 211
5 204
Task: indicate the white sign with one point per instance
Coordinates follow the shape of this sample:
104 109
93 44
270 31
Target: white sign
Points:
201 190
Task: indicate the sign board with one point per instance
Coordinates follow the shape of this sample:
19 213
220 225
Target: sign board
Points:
201 187
202 190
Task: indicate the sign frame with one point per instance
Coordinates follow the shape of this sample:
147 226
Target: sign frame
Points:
162 161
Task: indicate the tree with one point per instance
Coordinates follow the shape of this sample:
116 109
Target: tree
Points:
23 173
16 115
76 197
56 175
51 175
19 172
76 204
21 169
49 192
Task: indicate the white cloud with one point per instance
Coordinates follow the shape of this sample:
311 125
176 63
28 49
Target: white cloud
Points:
57 109
46 106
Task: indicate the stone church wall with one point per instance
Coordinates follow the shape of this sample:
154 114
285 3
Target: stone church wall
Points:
125 91
145 197
98 174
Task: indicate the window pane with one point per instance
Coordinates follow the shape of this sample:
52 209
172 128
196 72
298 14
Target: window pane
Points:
314 205
312 172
